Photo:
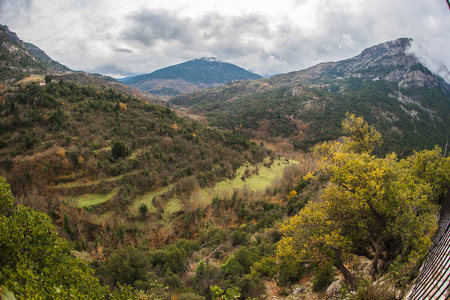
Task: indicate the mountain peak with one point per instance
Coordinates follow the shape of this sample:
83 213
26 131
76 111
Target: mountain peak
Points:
21 58
398 45
190 76
393 61
209 59
12 35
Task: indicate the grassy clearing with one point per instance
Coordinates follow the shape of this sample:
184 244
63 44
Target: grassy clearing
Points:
173 205
256 183
32 78
147 199
92 199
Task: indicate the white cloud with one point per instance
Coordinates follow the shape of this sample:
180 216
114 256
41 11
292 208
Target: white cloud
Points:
435 66
122 38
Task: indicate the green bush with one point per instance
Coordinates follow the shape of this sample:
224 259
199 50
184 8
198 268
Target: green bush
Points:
323 277
239 237
171 280
250 286
265 267
232 267
143 209
170 257
206 275
125 266
119 150
295 204
34 262
212 236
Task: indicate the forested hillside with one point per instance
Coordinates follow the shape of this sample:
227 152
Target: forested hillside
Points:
341 225
62 132
385 84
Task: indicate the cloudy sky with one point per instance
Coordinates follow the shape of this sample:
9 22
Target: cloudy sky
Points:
122 38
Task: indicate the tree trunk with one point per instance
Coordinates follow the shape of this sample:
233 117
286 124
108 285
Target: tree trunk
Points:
377 246
346 272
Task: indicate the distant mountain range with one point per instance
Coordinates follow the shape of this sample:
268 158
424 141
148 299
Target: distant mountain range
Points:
189 76
385 84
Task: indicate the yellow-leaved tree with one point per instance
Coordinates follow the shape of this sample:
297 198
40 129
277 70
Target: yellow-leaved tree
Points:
383 208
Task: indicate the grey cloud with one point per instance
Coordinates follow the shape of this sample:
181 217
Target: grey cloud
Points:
149 27
300 2
216 31
168 33
124 50
231 37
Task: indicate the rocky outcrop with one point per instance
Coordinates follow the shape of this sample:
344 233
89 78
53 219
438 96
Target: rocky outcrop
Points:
391 61
25 57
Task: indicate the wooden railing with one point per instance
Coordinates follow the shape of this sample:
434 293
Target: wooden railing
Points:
433 282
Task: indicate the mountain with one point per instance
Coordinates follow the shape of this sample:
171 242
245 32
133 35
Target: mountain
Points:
390 61
386 84
22 62
18 59
189 76
53 66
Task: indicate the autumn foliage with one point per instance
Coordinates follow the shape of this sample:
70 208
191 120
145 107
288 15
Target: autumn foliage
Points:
384 208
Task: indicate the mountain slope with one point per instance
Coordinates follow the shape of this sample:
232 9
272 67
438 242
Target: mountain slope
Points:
22 62
189 76
391 61
386 84
18 59
53 66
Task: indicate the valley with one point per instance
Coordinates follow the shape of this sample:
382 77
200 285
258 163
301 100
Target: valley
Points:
218 186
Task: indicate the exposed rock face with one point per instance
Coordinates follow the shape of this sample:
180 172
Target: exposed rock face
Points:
53 66
333 291
391 61
25 57
5 32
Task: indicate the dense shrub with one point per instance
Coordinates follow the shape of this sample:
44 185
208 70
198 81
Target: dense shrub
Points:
170 258
119 150
323 277
125 266
34 262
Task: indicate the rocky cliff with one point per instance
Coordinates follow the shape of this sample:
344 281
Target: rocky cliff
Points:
18 58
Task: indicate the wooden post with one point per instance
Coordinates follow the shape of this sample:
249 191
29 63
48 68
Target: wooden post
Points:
446 143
